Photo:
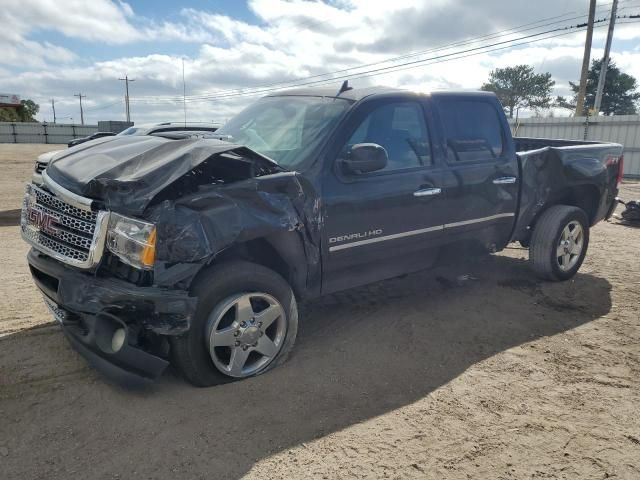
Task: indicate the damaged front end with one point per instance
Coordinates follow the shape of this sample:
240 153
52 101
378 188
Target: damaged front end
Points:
121 230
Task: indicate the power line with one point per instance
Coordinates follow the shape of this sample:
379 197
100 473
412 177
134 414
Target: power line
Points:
364 75
429 61
409 55
243 91
566 30
101 107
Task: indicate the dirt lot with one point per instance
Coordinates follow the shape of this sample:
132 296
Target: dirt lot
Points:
420 377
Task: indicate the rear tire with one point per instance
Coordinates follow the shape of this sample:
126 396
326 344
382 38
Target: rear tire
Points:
225 293
559 242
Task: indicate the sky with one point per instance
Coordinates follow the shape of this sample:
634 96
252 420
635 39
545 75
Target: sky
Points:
234 52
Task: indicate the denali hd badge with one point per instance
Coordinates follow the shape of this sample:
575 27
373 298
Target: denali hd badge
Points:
356 236
42 221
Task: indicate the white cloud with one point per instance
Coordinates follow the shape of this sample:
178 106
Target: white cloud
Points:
291 39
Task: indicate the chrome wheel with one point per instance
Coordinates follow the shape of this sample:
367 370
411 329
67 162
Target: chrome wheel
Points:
570 246
245 332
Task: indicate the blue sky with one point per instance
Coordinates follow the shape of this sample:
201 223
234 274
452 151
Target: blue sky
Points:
230 46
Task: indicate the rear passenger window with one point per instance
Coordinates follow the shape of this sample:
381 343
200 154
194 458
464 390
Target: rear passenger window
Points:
473 130
401 129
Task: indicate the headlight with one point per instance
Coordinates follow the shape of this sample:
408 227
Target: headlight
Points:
134 241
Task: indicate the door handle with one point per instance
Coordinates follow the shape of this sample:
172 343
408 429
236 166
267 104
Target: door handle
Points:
504 180
427 192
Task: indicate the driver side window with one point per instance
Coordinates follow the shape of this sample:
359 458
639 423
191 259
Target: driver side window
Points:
401 129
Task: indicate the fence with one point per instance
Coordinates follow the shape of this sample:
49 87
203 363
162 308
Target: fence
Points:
43 132
624 129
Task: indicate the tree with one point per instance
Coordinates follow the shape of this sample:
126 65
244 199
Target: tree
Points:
26 112
619 96
520 87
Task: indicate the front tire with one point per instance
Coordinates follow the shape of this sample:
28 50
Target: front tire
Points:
245 324
559 242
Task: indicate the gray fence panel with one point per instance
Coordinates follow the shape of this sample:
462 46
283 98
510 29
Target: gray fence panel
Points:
624 129
43 132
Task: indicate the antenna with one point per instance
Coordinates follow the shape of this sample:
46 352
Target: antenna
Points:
345 87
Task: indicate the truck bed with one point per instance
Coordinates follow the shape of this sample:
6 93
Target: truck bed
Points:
524 144
575 172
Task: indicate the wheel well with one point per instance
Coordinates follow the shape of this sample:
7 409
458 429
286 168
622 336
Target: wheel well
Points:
585 197
262 252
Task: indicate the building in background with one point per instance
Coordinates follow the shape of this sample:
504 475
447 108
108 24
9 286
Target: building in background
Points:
9 100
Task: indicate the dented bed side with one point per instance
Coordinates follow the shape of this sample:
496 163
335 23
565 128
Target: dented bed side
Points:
552 174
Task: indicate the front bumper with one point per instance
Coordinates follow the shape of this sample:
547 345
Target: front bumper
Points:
90 310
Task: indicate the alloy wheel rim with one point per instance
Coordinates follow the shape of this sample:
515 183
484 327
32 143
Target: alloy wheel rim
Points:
570 245
245 333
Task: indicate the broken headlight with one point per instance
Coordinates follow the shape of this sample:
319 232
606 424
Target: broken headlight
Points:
133 241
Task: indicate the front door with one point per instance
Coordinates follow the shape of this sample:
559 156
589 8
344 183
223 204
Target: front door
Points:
381 224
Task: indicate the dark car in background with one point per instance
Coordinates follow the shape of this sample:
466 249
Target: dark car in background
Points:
93 136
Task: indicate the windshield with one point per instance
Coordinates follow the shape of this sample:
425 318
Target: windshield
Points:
129 131
286 129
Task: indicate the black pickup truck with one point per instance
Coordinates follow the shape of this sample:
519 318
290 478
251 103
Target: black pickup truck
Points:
196 250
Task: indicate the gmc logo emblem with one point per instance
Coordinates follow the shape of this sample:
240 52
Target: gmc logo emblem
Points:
43 221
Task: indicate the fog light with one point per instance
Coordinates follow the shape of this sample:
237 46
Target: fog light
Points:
117 341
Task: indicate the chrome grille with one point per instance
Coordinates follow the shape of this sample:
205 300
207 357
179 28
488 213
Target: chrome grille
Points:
66 232
47 199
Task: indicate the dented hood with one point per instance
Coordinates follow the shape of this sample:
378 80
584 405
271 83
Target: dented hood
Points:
126 174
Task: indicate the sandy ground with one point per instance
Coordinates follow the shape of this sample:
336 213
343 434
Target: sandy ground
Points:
419 377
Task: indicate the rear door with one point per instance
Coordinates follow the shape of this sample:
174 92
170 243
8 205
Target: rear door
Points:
381 224
480 187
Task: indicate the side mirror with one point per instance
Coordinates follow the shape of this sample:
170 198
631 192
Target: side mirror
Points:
365 158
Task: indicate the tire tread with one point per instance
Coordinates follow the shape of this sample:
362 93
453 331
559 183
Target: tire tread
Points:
543 239
191 358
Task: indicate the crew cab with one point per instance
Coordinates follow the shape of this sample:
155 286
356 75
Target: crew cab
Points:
196 251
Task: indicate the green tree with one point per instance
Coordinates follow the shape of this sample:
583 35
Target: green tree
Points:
26 112
520 87
619 96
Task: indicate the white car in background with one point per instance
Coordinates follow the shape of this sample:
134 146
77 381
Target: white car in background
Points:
147 129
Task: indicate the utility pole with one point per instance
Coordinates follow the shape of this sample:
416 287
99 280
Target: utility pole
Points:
605 60
126 80
53 106
80 96
582 90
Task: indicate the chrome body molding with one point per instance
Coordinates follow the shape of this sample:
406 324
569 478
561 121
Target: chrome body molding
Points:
420 231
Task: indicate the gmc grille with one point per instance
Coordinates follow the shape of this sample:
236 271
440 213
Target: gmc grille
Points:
70 234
